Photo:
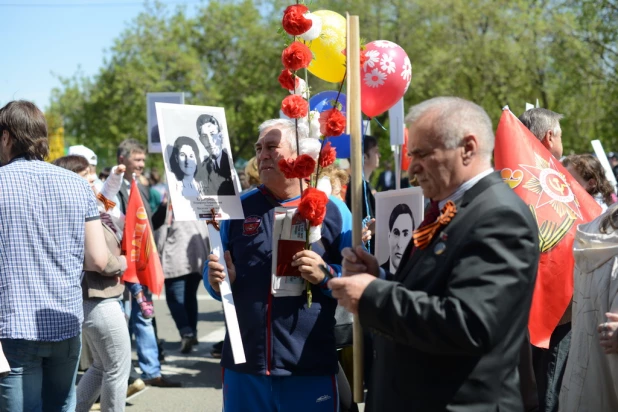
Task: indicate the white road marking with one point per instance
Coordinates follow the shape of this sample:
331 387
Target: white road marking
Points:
215 336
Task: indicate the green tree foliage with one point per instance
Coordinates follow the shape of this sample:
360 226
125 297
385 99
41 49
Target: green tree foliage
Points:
494 52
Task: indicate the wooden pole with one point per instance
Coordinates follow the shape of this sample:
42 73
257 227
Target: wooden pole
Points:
356 183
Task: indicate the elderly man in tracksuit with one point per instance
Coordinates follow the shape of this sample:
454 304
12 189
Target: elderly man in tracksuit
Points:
290 348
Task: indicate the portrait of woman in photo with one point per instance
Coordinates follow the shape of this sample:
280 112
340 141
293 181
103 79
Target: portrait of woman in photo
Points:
184 164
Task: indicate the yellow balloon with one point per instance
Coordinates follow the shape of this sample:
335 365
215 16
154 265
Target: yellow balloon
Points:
329 61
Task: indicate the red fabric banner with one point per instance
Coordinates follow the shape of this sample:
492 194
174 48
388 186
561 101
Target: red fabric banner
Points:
143 263
405 159
559 204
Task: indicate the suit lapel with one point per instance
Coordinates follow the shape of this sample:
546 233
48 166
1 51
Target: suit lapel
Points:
404 270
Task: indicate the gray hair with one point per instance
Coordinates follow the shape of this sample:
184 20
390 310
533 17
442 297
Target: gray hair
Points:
456 118
539 121
128 146
288 129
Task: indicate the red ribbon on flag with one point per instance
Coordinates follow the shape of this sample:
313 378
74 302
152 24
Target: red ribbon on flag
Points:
559 204
143 263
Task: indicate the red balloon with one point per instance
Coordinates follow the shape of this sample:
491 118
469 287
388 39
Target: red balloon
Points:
385 76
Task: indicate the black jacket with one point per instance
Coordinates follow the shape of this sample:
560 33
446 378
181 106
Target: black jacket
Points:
451 325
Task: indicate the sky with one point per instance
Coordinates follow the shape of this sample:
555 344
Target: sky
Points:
44 39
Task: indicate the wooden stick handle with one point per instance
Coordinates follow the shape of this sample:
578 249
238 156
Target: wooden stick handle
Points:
356 157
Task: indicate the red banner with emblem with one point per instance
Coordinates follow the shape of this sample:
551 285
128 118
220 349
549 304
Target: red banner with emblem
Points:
143 263
559 204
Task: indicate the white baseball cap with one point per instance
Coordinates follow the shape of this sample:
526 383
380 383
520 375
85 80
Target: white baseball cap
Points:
82 150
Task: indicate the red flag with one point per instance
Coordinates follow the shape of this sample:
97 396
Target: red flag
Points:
143 263
405 159
559 204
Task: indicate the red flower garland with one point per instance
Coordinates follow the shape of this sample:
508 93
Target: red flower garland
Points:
332 122
312 206
299 168
296 56
287 80
327 155
294 22
304 166
294 106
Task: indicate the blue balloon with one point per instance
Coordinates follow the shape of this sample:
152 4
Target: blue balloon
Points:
324 101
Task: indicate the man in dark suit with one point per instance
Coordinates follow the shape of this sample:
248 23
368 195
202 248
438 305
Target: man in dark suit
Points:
215 171
451 321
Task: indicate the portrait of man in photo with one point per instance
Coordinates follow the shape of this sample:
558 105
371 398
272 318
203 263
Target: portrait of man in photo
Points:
400 228
214 171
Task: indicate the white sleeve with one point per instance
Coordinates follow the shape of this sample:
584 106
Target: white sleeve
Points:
112 184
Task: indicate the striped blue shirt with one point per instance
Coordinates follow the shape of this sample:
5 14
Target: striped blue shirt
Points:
43 210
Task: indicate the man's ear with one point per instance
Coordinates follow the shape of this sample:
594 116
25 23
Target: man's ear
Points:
469 147
549 138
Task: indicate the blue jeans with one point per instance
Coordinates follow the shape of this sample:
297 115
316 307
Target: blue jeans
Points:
146 341
181 297
134 288
42 375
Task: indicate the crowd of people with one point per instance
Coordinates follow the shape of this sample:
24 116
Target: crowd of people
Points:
445 318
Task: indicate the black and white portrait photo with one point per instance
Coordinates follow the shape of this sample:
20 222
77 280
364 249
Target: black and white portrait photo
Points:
198 161
215 171
184 164
398 214
154 138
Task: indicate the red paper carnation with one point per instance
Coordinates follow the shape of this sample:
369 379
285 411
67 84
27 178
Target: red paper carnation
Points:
294 22
327 155
312 206
304 166
299 168
295 107
287 168
287 79
296 56
332 122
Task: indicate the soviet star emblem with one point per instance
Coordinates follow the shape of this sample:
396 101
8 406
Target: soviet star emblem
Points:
552 187
554 193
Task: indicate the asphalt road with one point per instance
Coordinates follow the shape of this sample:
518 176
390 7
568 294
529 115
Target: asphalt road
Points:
199 373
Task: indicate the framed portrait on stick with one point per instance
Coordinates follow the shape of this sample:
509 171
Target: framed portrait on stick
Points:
398 214
203 184
198 162
154 139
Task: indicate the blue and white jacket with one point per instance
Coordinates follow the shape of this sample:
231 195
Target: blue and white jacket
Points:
281 335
